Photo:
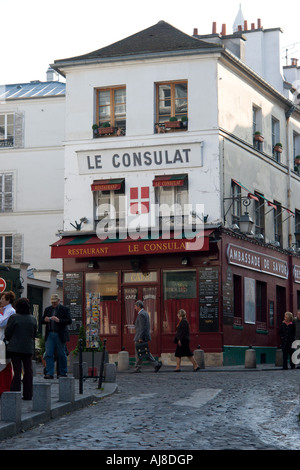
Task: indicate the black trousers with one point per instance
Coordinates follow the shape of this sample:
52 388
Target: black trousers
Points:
287 354
24 361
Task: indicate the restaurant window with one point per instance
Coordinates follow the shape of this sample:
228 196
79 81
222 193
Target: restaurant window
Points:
237 299
171 103
6 192
180 292
6 249
101 306
259 211
261 304
171 198
111 109
110 204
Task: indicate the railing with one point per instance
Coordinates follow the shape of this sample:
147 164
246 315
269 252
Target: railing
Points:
7 142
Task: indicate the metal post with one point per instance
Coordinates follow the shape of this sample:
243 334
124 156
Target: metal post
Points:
80 368
102 365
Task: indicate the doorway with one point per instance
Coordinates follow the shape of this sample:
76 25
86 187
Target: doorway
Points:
148 294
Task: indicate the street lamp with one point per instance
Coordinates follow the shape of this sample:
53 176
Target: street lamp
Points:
245 221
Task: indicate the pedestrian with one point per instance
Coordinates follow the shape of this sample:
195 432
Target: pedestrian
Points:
182 339
7 300
297 329
56 318
142 335
287 337
20 333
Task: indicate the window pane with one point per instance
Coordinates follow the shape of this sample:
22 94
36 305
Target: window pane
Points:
181 99
164 104
8 249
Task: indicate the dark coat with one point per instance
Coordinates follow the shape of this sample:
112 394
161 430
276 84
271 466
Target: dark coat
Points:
287 335
63 313
20 332
183 334
142 326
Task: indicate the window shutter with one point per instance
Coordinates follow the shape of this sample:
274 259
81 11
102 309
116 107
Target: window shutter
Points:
19 130
17 248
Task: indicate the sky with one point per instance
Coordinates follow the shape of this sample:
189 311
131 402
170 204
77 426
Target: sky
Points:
35 32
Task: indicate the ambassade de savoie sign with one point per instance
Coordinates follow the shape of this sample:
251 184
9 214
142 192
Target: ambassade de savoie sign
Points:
257 261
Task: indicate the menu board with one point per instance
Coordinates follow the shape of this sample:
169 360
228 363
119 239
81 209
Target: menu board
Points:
209 299
73 293
228 305
92 320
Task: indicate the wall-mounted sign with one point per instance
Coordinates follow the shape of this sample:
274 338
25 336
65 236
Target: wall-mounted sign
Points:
140 158
296 273
2 284
257 261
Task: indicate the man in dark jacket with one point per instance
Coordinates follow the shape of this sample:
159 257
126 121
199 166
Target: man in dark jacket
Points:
56 318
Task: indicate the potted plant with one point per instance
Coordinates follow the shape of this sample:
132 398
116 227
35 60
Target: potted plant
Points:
95 128
173 123
106 128
297 160
184 121
278 147
92 356
258 137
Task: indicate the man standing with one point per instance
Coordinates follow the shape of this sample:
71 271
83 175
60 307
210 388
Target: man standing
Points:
142 335
56 318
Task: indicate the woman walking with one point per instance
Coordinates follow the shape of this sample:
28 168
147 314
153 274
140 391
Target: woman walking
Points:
20 333
182 339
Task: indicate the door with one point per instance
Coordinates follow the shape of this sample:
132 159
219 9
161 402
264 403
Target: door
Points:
35 296
148 294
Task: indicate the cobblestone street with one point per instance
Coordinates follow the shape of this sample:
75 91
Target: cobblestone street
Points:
207 410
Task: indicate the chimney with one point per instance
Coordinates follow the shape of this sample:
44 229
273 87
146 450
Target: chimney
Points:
223 29
245 25
252 25
214 28
240 27
195 32
259 23
295 62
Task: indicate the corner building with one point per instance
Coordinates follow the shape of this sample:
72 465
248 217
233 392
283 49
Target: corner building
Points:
162 119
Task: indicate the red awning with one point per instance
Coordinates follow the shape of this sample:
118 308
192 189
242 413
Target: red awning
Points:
169 180
90 246
107 185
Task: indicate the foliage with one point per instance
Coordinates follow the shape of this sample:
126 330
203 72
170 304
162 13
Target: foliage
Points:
105 124
82 336
173 118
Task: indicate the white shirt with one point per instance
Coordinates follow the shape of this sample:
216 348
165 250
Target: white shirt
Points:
8 310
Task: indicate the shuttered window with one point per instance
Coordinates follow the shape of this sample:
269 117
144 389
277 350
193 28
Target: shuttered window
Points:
6 243
6 192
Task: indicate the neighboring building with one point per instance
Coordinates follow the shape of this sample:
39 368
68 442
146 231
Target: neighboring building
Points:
236 285
32 124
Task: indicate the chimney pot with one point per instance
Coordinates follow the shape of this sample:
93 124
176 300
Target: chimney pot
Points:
252 25
195 31
223 29
259 23
214 27
240 27
245 25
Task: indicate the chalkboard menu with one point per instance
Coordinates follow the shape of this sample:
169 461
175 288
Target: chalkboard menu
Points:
73 294
209 299
228 306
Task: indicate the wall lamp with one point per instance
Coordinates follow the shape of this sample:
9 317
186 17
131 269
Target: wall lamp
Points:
245 221
185 261
92 264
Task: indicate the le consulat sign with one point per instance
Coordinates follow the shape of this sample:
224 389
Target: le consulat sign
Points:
257 261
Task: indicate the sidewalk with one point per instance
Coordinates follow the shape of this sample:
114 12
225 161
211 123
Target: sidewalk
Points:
29 418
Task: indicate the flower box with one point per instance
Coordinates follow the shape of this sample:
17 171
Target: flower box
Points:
173 124
106 130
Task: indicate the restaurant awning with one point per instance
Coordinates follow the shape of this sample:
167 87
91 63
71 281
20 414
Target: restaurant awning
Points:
169 180
90 246
107 185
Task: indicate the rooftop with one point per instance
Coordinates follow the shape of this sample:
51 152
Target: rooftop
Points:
34 89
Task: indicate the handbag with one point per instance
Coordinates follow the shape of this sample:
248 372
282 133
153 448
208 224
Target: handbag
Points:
142 349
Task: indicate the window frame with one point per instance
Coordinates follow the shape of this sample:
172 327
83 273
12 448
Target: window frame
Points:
113 194
3 249
5 193
8 140
166 117
112 120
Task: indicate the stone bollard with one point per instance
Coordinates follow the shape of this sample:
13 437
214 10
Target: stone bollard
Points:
11 407
67 389
109 372
41 400
199 357
278 358
123 361
76 369
250 358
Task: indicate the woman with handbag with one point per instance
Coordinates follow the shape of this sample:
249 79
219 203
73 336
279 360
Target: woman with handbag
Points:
182 339
7 300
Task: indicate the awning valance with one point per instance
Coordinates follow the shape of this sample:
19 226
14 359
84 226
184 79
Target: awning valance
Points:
107 185
169 180
90 246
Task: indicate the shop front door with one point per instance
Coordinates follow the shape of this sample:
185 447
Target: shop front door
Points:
148 294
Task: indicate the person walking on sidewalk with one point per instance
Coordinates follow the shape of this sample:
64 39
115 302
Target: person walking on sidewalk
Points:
20 333
7 300
56 318
182 339
287 337
142 335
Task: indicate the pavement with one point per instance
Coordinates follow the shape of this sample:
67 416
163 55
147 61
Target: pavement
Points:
90 394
